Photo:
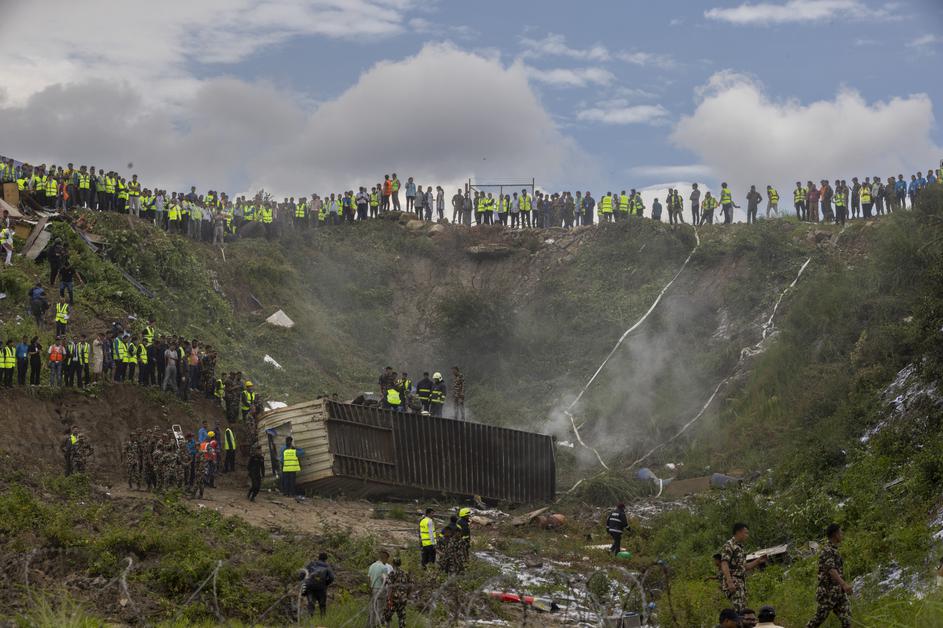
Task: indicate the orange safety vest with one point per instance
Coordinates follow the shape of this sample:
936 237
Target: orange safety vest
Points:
55 355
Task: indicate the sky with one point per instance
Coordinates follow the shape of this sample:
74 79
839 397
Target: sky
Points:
298 97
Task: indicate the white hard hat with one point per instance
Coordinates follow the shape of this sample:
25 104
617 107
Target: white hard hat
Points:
437 375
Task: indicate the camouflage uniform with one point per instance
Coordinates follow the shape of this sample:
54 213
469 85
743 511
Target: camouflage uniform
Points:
736 559
170 467
199 475
450 556
132 460
398 585
232 389
829 595
147 458
81 454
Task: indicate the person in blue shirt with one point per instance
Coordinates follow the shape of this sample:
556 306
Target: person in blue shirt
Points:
931 178
22 361
912 190
201 434
900 187
921 182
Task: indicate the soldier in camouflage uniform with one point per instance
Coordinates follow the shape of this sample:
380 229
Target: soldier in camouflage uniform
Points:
81 454
734 567
132 460
399 586
146 446
449 554
199 475
832 592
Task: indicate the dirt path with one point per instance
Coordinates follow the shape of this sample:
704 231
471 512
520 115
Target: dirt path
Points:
273 511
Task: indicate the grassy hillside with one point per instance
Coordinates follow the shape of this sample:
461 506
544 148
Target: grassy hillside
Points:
530 316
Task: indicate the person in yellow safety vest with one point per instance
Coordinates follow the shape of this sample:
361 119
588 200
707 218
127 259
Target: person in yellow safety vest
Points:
83 351
119 351
636 205
85 187
266 214
841 204
605 208
62 317
248 399
121 198
707 208
229 450
393 400
219 390
374 201
427 538
772 201
866 201
726 203
9 363
623 206
143 366
130 359
134 196
798 200
51 190
248 213
301 213
525 207
291 466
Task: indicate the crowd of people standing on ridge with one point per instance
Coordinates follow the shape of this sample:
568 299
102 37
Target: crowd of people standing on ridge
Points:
214 216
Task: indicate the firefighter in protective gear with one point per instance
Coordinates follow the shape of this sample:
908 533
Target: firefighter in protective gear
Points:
437 396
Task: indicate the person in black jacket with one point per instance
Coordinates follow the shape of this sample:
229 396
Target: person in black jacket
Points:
256 468
616 525
317 576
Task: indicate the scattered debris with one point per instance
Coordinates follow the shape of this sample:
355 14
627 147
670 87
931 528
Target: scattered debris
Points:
893 483
527 518
551 521
775 553
270 360
539 603
280 319
275 405
720 480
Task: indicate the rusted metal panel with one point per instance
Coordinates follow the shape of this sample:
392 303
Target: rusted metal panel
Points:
439 455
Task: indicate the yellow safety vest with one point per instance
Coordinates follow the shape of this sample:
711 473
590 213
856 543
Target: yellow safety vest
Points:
62 313
82 350
427 531
84 181
248 397
525 203
865 194
798 195
773 195
229 441
392 397
290 460
623 203
131 354
725 197
142 353
605 205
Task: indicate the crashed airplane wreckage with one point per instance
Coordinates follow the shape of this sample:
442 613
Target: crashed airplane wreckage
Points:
368 451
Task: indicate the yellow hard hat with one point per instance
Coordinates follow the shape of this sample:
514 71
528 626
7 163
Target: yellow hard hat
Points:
248 384
464 512
211 433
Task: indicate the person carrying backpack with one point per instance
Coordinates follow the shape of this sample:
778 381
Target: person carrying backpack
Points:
317 576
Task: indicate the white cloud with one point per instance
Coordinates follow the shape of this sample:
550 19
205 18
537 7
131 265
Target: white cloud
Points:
925 41
237 136
428 27
154 44
790 12
554 45
570 77
742 134
621 114
672 172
